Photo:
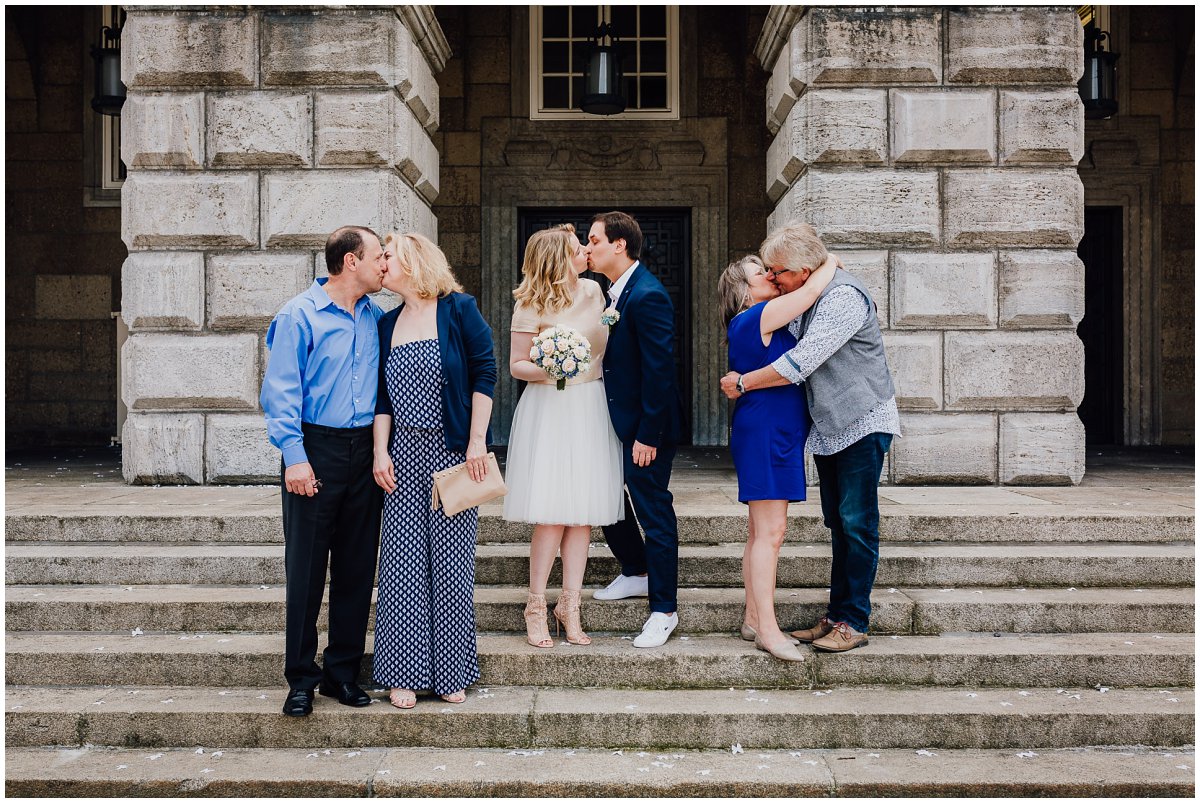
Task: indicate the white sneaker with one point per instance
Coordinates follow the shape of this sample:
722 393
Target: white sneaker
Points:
656 630
624 587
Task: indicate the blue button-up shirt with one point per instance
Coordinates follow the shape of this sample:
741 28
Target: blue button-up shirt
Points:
323 368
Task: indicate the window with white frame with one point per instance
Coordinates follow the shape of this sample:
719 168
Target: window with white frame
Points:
112 169
559 44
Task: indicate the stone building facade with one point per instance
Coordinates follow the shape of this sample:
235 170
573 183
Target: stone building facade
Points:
941 151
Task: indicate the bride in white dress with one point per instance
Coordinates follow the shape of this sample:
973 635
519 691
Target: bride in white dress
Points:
564 460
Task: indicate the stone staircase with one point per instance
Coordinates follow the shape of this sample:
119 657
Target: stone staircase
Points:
1017 649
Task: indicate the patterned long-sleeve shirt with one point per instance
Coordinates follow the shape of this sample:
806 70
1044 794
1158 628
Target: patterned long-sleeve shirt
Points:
840 314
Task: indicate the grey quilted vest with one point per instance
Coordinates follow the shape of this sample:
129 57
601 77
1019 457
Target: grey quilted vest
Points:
856 378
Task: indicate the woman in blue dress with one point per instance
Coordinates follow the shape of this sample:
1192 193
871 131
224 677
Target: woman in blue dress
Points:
769 429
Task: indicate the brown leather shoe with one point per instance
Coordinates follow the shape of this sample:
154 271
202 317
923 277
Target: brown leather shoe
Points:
815 632
841 637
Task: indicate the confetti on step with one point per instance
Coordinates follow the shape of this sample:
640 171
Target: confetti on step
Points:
1182 767
618 752
795 755
976 592
764 767
736 748
1101 689
441 767
353 754
632 706
485 696
218 754
155 757
311 755
199 751
326 752
643 754
812 763
383 772
1025 693
926 753
1071 589
1172 699
703 772
137 631
820 693
684 638
168 700
98 649
262 696
894 637
662 764
479 764
264 588
1074 697
872 755
223 693
206 770
527 753
185 638
1027 754
122 766
223 640
1130 643
643 769
1006 704
892 591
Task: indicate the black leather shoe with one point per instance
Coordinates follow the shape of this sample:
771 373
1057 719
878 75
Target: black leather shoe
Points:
345 693
298 703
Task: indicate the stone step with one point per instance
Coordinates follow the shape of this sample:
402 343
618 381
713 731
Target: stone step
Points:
723 522
516 717
707 661
199 608
426 772
800 565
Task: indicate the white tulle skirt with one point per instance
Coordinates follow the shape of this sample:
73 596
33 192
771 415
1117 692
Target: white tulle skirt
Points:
564 460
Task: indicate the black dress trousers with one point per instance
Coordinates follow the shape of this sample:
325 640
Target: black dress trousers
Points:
335 530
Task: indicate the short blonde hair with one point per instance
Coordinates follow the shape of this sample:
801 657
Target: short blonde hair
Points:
795 247
425 264
733 288
548 270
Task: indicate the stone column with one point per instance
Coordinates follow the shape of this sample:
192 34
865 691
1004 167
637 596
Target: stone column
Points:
935 150
249 135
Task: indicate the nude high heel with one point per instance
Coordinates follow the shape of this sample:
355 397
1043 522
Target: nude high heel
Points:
537 633
566 614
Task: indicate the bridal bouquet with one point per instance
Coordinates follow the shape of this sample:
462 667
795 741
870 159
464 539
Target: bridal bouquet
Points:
562 353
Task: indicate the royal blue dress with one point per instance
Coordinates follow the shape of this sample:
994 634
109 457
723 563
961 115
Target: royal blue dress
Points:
770 425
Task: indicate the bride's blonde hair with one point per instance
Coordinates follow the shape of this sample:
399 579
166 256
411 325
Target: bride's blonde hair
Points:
547 269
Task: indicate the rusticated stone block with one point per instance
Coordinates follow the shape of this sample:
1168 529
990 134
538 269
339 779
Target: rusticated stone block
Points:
415 81
300 209
943 126
246 290
871 268
1014 46
166 449
329 48
865 208
259 129
415 155
182 210
945 449
189 49
870 46
916 363
237 450
828 126
1041 289
1022 208
72 297
413 213
1042 449
190 372
355 128
163 290
1041 127
1013 371
784 86
943 290
163 129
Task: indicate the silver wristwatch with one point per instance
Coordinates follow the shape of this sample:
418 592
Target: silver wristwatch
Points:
741 388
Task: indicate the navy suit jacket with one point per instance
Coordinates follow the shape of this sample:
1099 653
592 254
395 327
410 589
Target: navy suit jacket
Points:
468 364
639 366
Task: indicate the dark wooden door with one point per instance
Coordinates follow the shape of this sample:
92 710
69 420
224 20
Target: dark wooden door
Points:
666 251
1102 329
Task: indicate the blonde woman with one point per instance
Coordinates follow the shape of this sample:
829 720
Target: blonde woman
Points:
437 375
768 428
564 460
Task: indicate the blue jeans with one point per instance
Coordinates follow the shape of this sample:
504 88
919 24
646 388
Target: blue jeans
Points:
850 505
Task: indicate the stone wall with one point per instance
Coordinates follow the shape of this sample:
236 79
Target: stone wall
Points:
62 256
935 150
252 134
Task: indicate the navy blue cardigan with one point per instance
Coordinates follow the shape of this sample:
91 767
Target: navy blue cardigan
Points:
468 364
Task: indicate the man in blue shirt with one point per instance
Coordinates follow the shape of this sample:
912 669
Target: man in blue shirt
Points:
318 396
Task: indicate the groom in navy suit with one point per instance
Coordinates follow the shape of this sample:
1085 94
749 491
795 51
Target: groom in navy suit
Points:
647 415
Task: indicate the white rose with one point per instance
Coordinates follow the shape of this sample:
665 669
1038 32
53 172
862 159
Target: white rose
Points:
580 353
547 362
561 344
534 353
568 365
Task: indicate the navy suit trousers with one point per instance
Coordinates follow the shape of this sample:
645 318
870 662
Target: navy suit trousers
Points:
658 556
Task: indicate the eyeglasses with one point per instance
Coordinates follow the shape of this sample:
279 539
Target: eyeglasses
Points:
774 272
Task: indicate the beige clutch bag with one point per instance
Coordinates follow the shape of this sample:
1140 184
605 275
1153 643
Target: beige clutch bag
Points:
454 490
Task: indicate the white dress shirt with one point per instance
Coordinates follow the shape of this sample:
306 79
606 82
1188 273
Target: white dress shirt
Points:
614 292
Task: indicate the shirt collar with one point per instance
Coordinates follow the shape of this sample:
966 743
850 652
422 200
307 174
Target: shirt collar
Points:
614 292
321 299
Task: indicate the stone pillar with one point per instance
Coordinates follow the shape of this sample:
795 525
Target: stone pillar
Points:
935 150
249 135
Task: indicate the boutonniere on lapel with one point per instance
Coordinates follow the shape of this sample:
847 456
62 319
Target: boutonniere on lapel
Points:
610 317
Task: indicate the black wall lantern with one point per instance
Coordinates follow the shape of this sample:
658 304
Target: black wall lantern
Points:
109 96
602 79
1098 86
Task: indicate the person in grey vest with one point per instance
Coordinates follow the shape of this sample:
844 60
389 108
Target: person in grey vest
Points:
840 360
